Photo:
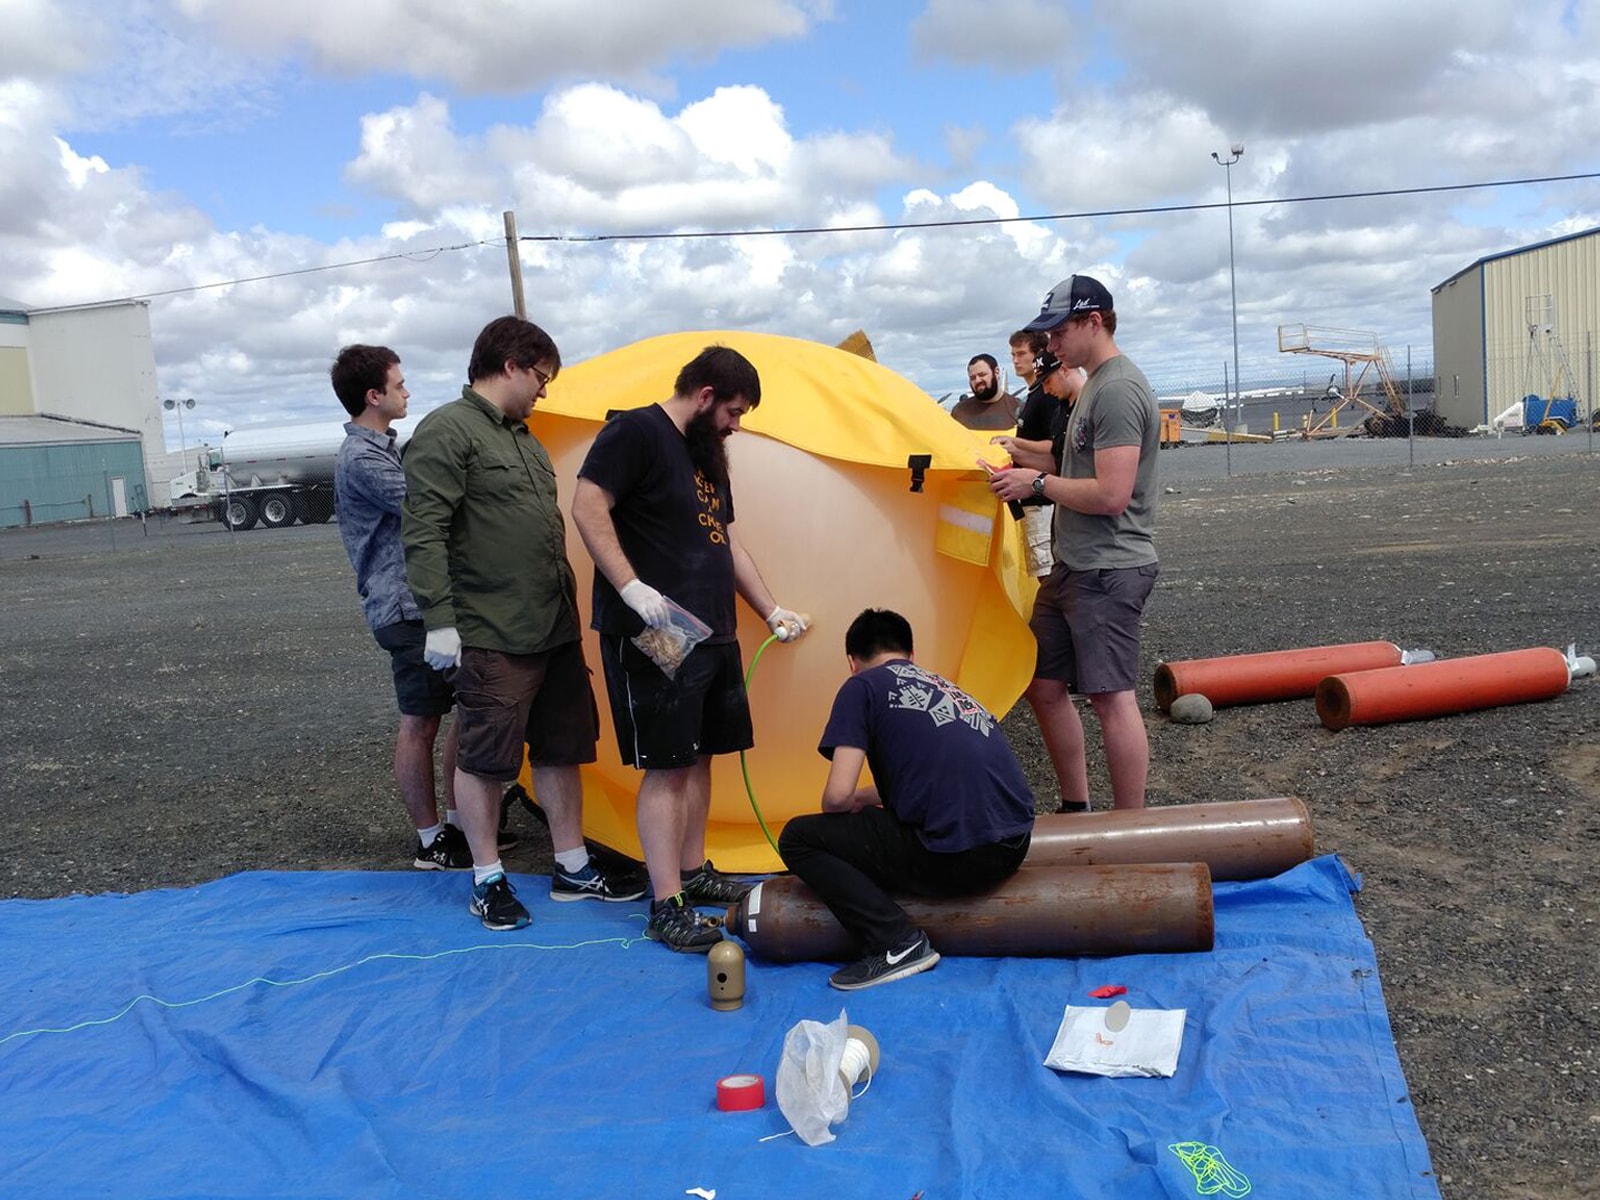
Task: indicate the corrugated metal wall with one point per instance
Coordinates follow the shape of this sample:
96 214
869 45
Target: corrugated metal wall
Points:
1482 350
1569 273
70 481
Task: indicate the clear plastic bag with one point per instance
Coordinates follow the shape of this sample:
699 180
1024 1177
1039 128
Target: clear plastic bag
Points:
668 646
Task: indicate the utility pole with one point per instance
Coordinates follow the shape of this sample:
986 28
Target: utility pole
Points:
514 257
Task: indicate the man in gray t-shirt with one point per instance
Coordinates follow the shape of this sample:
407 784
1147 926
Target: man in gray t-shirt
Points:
1087 613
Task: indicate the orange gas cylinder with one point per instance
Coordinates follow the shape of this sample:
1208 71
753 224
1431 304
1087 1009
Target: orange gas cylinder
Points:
1275 675
1440 689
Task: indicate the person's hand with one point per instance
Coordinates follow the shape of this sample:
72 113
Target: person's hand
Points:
441 649
1014 483
650 604
787 623
1006 442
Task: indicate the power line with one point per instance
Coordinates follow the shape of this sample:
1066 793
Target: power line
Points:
414 255
968 222
888 227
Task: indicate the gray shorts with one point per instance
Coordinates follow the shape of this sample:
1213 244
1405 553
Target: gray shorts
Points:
1086 624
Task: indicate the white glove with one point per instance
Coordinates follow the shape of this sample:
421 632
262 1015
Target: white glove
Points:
441 649
787 623
650 604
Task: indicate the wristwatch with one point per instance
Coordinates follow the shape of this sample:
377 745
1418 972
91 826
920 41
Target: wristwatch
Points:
1038 484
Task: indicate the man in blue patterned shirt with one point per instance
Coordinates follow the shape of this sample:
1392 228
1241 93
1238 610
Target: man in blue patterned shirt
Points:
369 488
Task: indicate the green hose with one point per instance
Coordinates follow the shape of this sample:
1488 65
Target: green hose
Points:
744 766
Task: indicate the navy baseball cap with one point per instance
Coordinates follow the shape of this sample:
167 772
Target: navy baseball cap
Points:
1071 298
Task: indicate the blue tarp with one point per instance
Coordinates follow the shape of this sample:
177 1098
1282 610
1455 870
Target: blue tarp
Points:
349 1034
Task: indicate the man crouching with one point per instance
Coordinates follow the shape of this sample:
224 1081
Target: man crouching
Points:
950 815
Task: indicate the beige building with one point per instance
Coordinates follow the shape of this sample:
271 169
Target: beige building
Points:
91 365
1518 323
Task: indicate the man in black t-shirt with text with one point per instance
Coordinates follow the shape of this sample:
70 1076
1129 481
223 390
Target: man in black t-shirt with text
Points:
654 506
949 812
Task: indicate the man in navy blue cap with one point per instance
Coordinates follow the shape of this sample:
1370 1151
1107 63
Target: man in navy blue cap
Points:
1086 617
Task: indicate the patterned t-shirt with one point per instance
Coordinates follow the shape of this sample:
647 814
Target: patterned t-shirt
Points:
939 758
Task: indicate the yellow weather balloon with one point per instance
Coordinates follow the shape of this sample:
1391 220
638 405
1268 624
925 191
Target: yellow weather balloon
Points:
853 490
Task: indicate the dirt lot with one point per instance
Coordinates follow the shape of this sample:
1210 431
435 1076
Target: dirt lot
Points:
181 704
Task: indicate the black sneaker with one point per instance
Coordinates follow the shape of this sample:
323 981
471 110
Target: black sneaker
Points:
710 886
590 884
449 852
885 967
675 924
1085 807
496 902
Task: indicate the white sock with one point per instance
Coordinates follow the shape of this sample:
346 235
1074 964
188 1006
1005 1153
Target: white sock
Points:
426 836
452 817
479 874
573 861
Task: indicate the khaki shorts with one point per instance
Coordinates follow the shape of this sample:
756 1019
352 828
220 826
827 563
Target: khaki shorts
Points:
1038 535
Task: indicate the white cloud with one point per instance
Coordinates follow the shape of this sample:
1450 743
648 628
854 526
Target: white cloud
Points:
1002 34
504 45
41 41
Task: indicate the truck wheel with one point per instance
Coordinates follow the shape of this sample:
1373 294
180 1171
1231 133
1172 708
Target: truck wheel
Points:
276 510
314 508
239 513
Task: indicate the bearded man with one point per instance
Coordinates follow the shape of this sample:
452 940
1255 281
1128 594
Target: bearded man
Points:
990 406
654 506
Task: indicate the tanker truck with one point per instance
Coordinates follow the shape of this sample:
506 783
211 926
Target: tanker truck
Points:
272 476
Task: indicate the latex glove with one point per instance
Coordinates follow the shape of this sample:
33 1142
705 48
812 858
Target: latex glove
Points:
441 649
787 623
650 604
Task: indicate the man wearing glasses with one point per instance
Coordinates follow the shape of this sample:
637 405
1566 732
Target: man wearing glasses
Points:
486 556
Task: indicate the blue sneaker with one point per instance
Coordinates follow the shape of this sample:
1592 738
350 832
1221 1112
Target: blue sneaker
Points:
496 902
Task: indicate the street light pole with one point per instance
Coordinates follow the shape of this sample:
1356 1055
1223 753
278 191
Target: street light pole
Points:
1236 152
178 406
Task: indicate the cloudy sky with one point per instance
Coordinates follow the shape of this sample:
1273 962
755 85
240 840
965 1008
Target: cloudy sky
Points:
278 147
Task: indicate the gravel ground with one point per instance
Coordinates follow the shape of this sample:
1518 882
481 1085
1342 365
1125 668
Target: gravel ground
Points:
182 704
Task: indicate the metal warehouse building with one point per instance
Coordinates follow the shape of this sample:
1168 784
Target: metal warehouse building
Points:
80 424
1518 323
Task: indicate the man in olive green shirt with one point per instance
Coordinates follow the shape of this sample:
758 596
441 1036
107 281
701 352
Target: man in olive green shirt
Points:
486 557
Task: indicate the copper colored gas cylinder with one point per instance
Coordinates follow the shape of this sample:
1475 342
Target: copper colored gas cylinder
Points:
1237 839
1040 912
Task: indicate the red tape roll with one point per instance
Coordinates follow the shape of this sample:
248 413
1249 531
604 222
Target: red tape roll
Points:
740 1093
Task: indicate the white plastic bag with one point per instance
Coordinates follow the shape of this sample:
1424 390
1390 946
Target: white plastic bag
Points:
811 1092
1146 1044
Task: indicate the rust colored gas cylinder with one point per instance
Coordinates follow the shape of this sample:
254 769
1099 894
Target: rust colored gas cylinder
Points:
1441 689
1237 839
1040 912
1275 675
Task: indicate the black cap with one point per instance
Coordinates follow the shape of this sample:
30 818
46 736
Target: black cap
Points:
1071 298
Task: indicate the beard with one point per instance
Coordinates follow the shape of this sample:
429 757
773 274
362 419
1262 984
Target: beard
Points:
986 393
708 449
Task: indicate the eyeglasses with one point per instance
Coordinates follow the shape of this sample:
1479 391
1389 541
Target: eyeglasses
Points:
544 380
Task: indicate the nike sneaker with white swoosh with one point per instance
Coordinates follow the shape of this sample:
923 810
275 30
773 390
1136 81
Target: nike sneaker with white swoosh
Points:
908 958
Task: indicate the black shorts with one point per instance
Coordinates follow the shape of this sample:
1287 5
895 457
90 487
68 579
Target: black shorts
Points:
662 723
544 701
1086 624
419 690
